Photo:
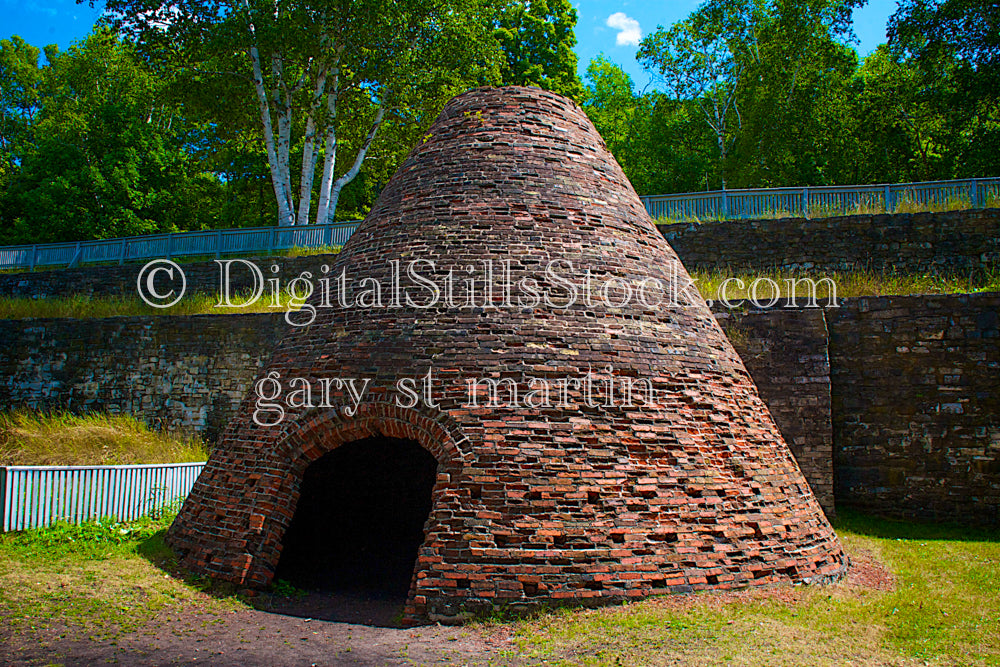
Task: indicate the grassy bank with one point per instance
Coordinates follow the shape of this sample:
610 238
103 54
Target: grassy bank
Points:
864 207
848 284
739 284
58 438
101 578
84 307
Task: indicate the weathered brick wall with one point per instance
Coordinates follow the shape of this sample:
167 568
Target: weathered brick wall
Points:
173 372
534 503
785 351
121 280
916 406
949 243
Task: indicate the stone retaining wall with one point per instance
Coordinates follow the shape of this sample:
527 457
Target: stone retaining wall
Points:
889 404
916 406
955 242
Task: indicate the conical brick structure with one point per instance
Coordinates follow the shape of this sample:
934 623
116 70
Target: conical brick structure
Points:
581 496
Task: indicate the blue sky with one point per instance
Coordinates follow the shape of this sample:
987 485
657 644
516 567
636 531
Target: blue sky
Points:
61 22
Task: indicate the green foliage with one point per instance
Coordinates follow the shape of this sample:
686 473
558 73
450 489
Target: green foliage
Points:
21 77
953 48
92 539
107 159
537 41
662 144
783 100
313 83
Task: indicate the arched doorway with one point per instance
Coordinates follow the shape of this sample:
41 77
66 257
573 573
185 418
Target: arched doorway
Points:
359 521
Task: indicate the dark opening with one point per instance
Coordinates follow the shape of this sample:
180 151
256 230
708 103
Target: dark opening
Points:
360 518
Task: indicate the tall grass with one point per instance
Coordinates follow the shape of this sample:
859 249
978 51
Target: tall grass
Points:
847 283
81 307
194 259
29 437
865 206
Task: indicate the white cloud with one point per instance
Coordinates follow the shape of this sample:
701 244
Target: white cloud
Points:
627 27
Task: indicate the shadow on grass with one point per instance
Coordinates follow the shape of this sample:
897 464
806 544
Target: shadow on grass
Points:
354 607
874 526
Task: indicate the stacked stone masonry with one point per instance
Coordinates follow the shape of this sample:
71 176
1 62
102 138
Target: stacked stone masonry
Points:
960 243
193 372
951 243
916 406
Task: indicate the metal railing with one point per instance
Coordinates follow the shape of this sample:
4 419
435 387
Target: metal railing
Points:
717 205
38 496
216 242
822 200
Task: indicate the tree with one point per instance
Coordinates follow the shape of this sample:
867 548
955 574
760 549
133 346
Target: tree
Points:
955 46
964 32
324 75
795 100
700 59
613 107
21 75
107 157
537 41
661 144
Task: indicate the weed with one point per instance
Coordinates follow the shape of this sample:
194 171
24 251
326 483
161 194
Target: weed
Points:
286 589
29 437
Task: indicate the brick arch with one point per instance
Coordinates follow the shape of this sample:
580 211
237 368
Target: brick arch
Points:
320 431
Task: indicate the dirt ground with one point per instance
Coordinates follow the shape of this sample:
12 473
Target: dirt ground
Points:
317 629
345 631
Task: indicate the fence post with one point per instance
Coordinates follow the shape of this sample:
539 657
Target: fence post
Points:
805 203
887 199
725 206
121 253
973 192
218 244
328 235
3 498
170 244
34 256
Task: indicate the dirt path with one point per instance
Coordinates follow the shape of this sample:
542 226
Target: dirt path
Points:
252 637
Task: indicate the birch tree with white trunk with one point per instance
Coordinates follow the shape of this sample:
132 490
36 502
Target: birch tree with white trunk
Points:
324 76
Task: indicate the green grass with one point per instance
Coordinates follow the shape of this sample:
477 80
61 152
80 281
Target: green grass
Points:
105 578
864 207
99 580
83 307
848 283
60 438
194 259
945 610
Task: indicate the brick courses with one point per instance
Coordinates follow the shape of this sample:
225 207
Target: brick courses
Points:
532 506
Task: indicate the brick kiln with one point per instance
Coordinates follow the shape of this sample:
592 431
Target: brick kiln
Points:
495 310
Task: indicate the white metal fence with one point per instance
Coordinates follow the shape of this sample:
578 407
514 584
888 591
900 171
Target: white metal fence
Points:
826 200
721 204
216 242
37 496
